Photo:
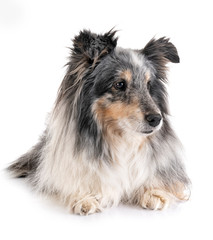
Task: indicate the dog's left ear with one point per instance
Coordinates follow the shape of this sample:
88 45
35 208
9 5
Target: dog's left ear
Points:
90 47
161 49
160 52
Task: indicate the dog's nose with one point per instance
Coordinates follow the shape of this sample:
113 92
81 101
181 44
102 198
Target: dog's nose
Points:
153 119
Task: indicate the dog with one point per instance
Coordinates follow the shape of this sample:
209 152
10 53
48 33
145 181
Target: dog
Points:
108 139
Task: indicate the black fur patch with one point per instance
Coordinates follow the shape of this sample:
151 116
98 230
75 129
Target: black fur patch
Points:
92 46
159 52
27 164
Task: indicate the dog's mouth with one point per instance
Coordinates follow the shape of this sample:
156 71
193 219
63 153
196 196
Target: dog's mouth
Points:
147 132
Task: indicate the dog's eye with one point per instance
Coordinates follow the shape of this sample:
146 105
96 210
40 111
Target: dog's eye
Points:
120 85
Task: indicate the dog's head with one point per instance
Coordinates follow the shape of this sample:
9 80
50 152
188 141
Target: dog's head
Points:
121 89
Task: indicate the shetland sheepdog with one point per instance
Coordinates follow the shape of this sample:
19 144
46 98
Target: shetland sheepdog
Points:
108 139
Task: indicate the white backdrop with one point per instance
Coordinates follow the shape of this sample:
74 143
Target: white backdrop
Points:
34 36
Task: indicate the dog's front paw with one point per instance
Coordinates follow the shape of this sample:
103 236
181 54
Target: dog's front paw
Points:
86 206
155 199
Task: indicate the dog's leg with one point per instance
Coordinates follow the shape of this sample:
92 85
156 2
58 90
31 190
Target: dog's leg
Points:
161 197
86 205
180 191
155 199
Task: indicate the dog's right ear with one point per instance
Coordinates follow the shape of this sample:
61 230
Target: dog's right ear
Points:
91 48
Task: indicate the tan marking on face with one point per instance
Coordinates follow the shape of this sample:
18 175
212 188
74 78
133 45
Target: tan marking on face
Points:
127 75
110 115
117 110
147 76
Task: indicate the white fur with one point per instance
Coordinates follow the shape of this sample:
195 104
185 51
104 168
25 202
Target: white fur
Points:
137 59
